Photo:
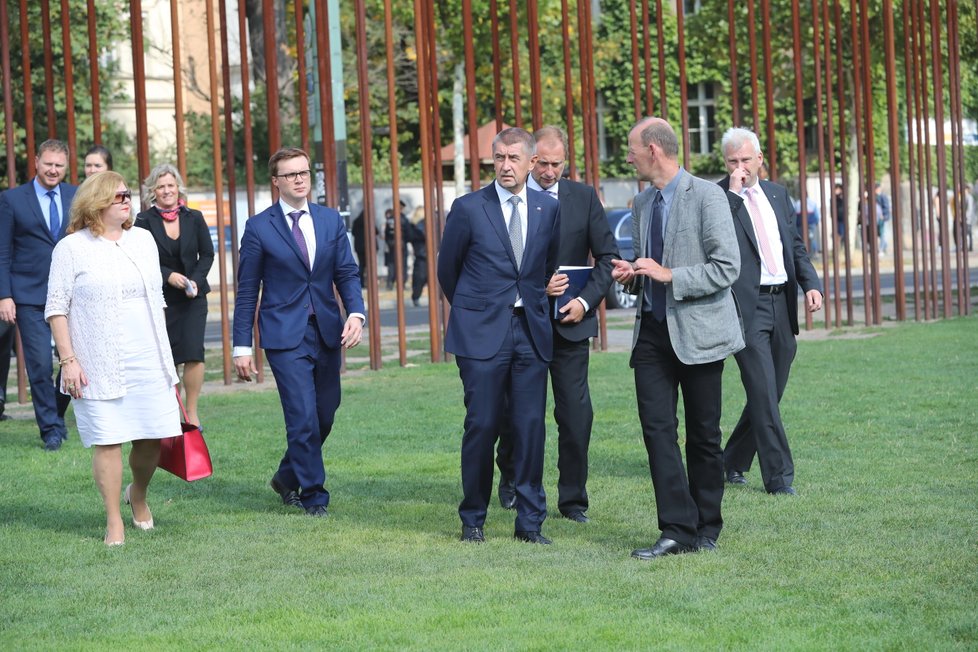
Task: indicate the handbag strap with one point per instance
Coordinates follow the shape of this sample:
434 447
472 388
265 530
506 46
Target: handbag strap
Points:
183 410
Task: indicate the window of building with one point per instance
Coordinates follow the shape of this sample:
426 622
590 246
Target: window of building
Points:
702 118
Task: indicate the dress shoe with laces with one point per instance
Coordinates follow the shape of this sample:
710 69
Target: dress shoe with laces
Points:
318 511
142 525
531 537
507 493
783 491
663 547
736 477
289 496
706 544
578 516
473 535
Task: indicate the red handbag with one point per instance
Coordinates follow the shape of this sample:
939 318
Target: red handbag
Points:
186 456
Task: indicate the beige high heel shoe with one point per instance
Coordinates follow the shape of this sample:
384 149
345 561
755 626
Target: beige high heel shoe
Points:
142 525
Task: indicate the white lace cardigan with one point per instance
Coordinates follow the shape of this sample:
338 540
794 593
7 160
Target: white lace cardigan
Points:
84 286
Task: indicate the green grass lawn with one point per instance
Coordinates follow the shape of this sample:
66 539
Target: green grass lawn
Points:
879 551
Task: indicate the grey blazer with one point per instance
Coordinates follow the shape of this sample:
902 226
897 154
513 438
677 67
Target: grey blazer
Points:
700 247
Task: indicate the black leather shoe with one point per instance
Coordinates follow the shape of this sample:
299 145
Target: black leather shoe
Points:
783 491
662 548
706 544
52 442
531 537
318 511
736 477
473 535
507 493
289 496
578 516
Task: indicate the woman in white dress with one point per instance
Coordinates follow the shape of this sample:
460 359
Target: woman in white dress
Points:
105 307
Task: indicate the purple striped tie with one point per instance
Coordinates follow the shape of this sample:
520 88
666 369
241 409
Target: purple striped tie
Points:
300 239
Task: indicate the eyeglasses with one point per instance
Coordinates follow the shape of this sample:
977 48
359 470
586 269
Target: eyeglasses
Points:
292 177
122 198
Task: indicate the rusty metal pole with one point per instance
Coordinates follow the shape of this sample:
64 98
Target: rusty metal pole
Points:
218 183
48 68
568 89
8 100
647 56
830 123
300 60
93 74
894 146
660 38
843 158
69 73
25 63
870 154
472 109
139 88
249 152
514 53
683 90
799 128
925 120
229 150
964 287
395 166
909 83
178 88
533 47
636 82
772 145
938 78
328 132
820 144
586 106
732 48
366 142
754 77
497 80
271 80
865 199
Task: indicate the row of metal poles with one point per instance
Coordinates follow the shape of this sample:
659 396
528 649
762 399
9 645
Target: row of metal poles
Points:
844 97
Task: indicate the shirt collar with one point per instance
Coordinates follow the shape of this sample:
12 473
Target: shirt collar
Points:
505 194
286 209
42 191
532 183
670 190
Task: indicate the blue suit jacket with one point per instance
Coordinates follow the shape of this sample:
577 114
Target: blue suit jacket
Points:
477 271
270 260
26 243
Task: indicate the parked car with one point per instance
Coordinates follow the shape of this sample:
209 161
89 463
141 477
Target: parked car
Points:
620 221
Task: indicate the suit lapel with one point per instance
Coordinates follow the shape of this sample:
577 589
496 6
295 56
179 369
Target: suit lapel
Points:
677 211
495 214
278 225
320 225
32 201
775 199
534 219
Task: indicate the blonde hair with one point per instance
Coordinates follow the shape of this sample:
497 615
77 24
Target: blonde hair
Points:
94 195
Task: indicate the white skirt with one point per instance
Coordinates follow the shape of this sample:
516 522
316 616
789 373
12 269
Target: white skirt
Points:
149 409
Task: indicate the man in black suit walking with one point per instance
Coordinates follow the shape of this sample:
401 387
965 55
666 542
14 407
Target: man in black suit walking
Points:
583 230
33 218
774 262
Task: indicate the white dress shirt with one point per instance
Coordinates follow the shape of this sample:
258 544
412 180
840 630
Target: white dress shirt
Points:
768 277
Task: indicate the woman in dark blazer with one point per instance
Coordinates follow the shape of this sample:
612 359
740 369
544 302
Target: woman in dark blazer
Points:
186 256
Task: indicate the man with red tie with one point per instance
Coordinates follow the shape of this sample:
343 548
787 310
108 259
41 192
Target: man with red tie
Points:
773 263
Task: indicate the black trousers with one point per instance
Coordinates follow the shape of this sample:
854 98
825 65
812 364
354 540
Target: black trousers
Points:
687 498
574 416
764 366
7 331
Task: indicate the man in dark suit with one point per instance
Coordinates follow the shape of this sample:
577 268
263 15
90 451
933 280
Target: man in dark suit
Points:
583 230
498 251
686 324
33 218
295 252
774 263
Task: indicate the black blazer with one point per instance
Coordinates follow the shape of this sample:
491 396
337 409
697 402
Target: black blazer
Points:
196 250
796 262
584 229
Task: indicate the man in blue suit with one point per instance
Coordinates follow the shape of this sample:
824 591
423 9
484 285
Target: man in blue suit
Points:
296 252
498 250
33 218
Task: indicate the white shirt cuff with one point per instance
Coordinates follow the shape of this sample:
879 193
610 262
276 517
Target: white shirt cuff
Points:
587 308
239 351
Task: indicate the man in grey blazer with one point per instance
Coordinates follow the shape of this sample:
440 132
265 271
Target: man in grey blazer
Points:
686 325
773 264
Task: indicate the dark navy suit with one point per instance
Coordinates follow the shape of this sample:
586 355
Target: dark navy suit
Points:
299 326
501 353
26 244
